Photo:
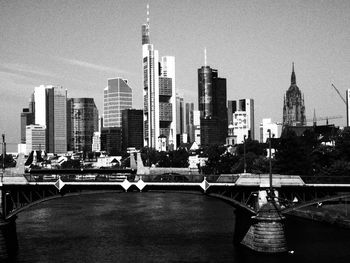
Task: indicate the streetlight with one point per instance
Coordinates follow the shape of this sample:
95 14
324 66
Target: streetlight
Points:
270 164
244 160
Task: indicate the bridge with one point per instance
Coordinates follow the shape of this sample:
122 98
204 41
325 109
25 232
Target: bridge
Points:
262 201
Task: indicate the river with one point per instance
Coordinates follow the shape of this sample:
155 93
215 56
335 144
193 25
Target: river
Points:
158 227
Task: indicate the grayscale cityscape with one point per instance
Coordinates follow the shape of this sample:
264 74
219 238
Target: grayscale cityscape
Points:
175 131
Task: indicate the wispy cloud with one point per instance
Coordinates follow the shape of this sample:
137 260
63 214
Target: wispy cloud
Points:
17 68
89 65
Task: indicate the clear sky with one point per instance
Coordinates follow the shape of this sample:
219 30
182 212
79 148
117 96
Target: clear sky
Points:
80 44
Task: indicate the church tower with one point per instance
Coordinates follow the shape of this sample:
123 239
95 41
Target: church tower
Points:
293 106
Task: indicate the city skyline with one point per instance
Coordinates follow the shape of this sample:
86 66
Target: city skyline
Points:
252 44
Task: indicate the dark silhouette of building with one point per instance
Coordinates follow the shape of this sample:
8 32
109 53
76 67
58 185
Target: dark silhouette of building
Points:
132 129
293 106
27 118
212 106
82 122
111 140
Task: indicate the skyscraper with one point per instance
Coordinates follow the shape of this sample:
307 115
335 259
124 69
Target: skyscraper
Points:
117 96
82 122
293 105
51 111
159 95
27 118
189 122
212 106
179 117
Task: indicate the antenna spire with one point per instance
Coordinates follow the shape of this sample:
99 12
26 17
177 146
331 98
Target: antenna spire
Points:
205 56
148 14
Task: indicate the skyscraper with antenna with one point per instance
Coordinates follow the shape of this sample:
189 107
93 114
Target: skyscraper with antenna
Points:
212 99
159 111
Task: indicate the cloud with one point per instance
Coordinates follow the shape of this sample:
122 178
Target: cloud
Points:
17 68
89 65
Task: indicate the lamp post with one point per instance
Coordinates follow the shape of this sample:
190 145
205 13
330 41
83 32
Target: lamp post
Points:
244 159
270 164
3 156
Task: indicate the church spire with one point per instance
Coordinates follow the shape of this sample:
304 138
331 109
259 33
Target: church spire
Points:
293 78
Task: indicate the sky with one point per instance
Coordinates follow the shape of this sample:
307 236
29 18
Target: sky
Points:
80 44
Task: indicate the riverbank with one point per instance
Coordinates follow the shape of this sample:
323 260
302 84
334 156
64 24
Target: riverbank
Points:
335 214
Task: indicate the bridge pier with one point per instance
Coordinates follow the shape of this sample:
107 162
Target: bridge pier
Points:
266 233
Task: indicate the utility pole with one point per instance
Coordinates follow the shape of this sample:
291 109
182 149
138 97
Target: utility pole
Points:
3 156
244 159
270 164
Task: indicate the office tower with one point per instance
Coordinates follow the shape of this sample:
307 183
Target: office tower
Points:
243 119
212 106
35 138
231 108
180 130
348 107
51 111
132 131
189 125
27 118
117 96
82 122
111 140
159 96
293 105
266 125
197 126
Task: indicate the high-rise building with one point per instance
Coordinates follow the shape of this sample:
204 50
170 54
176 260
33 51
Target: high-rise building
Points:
293 105
51 111
82 122
231 108
159 96
197 126
27 118
180 129
266 125
212 106
189 125
132 131
35 138
243 119
117 96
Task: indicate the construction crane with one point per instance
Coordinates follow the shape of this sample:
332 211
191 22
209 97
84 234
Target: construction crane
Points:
339 93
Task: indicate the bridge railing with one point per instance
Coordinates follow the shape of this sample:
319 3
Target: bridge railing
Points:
341 179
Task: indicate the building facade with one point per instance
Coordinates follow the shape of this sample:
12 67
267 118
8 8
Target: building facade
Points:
35 138
242 119
82 122
212 99
189 122
132 131
117 96
51 111
293 105
159 95
111 140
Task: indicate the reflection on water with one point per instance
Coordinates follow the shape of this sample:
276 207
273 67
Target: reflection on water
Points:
157 227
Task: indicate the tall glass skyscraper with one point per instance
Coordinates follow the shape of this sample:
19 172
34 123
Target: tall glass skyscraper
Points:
51 111
159 95
82 122
212 106
117 97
